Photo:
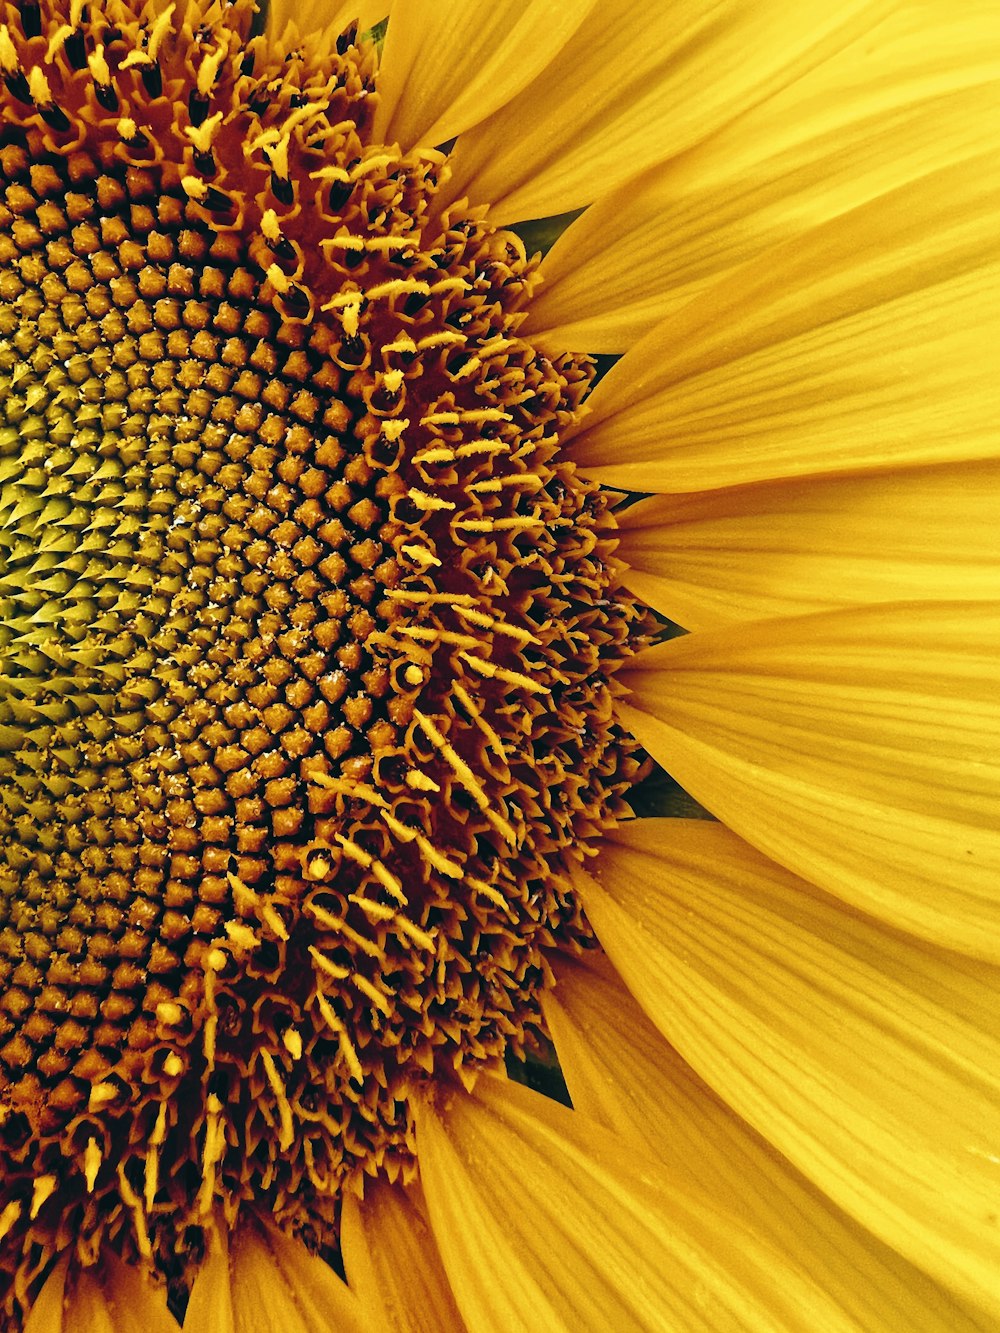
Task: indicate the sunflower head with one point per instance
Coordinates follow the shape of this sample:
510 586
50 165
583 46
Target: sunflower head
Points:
307 629
327 661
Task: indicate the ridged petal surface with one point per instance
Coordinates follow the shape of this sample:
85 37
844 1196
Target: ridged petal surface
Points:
815 543
872 1062
620 1071
859 748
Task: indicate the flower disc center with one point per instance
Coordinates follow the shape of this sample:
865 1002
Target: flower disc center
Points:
306 630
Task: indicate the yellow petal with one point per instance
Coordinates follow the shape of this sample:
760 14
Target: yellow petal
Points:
393 1265
87 1311
46 1315
637 84
621 1072
446 67
210 1307
134 1302
781 548
871 1061
274 1286
113 1298
859 748
545 1220
920 95
319 16
867 343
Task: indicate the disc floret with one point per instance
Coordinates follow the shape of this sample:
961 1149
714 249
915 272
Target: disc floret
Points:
308 634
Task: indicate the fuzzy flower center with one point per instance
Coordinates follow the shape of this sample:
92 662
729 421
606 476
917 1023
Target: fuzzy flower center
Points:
307 633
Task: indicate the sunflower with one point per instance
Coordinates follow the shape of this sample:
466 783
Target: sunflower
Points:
426 427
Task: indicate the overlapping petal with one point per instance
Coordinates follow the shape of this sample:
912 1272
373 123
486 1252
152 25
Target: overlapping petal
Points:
262 1279
883 113
866 343
115 1298
547 1221
445 68
620 1071
638 84
871 1061
323 19
814 543
393 1266
859 748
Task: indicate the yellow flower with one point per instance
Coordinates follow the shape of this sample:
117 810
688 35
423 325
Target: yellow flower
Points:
333 665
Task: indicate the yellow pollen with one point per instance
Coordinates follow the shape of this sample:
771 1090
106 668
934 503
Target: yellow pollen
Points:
384 291
9 61
242 935
393 430
497 626
468 703
378 999
215 960
458 765
440 862
269 225
404 345
455 600
444 338
331 969
213 1150
194 188
371 948
373 165
474 447
520 523
101 1094
158 33
272 919
57 41
42 1189
374 911
276 277
415 933
208 72
287 1133
429 503
336 1026
92 1159
201 136
136 60
151 1177
495 484
11 1213
38 85
159 1133
304 115
350 316
277 155
441 454
98 65
134 1202
491 892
